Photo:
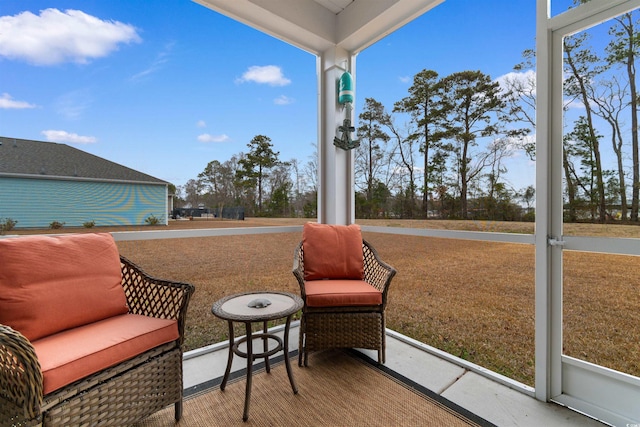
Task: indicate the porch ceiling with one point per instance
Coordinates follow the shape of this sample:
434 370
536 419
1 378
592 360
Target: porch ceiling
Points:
318 25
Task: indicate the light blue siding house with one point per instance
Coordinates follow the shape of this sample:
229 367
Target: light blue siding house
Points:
42 182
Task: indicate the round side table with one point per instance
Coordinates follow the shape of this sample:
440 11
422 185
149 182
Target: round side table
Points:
253 307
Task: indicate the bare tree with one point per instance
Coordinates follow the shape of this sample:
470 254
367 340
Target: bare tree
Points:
580 67
520 96
624 49
610 103
405 148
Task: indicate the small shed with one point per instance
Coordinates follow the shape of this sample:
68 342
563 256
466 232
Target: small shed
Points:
43 182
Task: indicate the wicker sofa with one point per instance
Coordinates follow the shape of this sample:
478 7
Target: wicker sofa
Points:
86 337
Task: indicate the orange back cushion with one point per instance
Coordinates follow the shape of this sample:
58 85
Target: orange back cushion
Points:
49 284
332 251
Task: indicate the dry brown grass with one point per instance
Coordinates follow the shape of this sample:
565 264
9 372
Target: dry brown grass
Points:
472 299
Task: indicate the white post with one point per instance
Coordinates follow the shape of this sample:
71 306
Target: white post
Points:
336 198
543 134
549 208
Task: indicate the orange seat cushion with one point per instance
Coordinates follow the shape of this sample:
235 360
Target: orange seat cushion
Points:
341 293
76 353
332 251
49 284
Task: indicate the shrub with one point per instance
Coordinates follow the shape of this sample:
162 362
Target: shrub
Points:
7 224
54 225
88 224
152 220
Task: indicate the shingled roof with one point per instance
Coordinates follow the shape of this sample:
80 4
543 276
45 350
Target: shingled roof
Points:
23 157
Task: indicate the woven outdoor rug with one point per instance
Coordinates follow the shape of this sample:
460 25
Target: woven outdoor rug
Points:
338 388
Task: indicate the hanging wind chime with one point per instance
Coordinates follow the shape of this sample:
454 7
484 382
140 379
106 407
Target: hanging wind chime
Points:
345 97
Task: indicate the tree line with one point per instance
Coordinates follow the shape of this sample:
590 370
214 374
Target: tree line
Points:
441 151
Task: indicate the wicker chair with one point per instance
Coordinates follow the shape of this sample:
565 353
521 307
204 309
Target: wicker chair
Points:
120 395
345 326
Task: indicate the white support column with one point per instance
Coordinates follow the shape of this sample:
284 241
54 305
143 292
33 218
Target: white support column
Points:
555 214
543 322
549 208
336 198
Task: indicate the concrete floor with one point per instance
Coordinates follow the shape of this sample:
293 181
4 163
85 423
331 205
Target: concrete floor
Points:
498 400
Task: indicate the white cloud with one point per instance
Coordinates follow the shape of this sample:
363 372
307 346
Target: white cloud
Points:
283 100
55 37
522 82
405 79
205 137
64 136
72 105
268 74
158 63
201 124
525 84
8 103
573 103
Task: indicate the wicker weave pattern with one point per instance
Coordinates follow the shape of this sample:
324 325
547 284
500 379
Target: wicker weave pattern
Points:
152 297
20 379
137 393
117 396
337 330
352 327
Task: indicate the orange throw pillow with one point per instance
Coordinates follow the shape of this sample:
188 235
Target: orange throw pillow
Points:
332 251
49 284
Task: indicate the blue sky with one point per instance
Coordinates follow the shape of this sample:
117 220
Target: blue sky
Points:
168 88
